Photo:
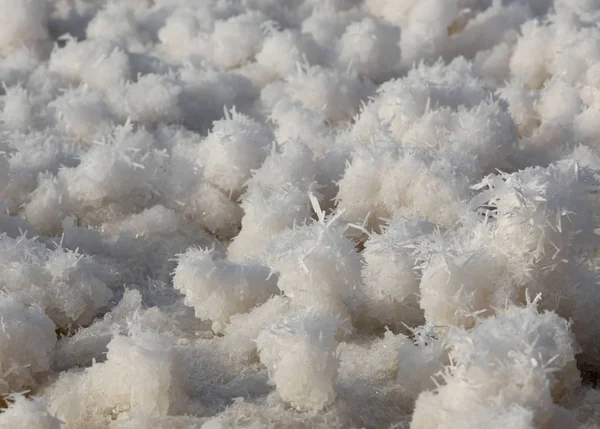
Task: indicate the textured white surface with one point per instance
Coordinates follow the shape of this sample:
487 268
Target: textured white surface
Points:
299 214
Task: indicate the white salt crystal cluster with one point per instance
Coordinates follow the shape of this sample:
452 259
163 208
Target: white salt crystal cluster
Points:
299 353
218 289
27 340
